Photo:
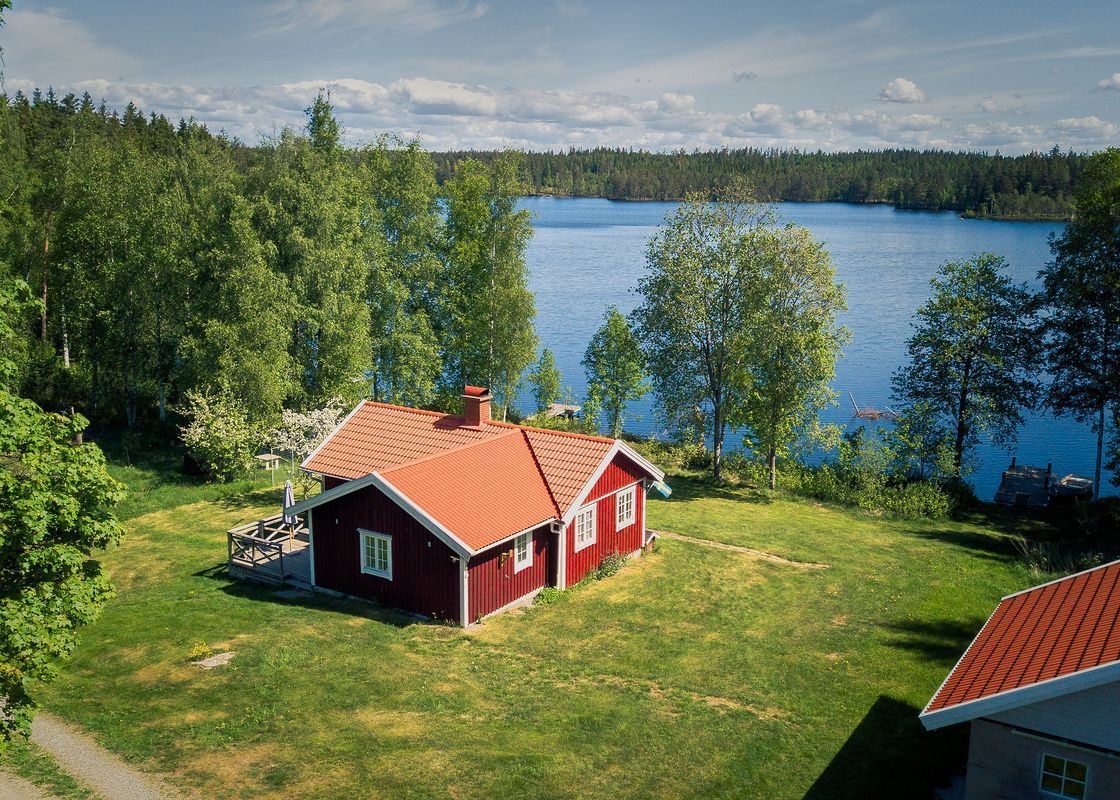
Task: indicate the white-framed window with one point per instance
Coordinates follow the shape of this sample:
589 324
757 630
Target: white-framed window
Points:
1061 777
523 551
377 553
624 508
585 527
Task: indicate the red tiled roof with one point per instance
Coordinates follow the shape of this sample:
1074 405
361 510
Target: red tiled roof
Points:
1051 631
499 476
377 436
515 476
567 462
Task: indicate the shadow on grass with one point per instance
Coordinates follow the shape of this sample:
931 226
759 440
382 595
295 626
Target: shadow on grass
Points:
890 755
687 488
942 641
319 601
981 545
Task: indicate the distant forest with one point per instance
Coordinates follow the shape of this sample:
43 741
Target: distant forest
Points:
1033 186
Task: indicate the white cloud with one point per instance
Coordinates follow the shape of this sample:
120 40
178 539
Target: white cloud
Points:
901 90
1090 129
1111 84
50 48
284 17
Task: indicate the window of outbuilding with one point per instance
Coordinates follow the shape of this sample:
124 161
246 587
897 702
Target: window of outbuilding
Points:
585 527
1063 778
523 551
377 554
624 508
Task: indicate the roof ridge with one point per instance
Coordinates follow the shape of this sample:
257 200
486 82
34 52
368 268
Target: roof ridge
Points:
441 453
540 470
423 411
1065 578
570 434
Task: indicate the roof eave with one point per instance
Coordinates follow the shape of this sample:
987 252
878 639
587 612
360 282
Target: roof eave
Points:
1021 696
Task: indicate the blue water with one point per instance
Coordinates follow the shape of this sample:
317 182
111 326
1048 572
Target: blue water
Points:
587 254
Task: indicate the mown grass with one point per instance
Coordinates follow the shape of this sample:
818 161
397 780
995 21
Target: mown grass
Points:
693 672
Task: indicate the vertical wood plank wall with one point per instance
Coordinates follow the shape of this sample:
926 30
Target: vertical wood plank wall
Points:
425 570
621 473
491 581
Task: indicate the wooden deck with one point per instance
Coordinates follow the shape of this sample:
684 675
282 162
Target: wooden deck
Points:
270 551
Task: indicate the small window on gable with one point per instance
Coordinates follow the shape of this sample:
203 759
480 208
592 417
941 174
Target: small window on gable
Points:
624 508
585 527
1063 778
523 551
377 554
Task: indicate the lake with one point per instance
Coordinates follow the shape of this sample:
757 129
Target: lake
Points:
587 254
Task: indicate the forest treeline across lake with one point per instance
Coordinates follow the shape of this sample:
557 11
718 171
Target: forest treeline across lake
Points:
1031 186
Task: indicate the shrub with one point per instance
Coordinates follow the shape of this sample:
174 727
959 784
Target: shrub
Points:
609 566
220 435
547 596
1049 559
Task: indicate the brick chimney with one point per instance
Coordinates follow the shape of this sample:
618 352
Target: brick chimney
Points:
476 406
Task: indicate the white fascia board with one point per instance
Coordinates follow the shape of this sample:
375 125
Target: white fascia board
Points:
513 536
394 494
1022 696
619 446
330 494
322 444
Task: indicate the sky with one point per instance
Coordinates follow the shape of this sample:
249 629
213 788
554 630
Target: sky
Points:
838 75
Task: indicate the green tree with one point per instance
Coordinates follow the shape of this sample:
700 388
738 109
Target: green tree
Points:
545 380
403 278
487 319
792 340
56 500
1081 301
694 317
972 354
219 434
615 370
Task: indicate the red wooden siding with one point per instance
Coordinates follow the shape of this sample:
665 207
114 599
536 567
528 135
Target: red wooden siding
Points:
330 483
491 581
619 474
425 571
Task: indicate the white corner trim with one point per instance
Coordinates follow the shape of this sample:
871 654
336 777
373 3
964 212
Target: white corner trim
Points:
562 559
311 543
337 428
464 594
1022 696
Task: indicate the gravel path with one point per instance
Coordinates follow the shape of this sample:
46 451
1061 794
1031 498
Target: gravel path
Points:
13 787
762 555
93 765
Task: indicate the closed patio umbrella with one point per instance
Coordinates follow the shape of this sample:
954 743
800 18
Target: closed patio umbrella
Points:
289 501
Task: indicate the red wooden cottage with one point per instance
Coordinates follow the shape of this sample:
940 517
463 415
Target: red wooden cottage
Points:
459 517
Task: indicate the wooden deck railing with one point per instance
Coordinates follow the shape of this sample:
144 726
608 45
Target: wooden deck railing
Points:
260 545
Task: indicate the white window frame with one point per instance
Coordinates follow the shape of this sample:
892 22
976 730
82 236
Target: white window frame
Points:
1062 777
364 537
632 517
525 539
592 512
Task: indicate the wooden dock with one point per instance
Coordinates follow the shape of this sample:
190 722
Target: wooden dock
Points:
1024 486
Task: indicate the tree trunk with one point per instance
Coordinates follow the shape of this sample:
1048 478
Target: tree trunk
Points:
46 266
772 460
1100 449
717 442
65 340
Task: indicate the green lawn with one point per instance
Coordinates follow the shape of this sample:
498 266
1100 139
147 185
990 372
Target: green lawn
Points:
694 672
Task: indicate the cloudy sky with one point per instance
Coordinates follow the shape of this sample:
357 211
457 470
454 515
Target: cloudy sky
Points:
840 74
